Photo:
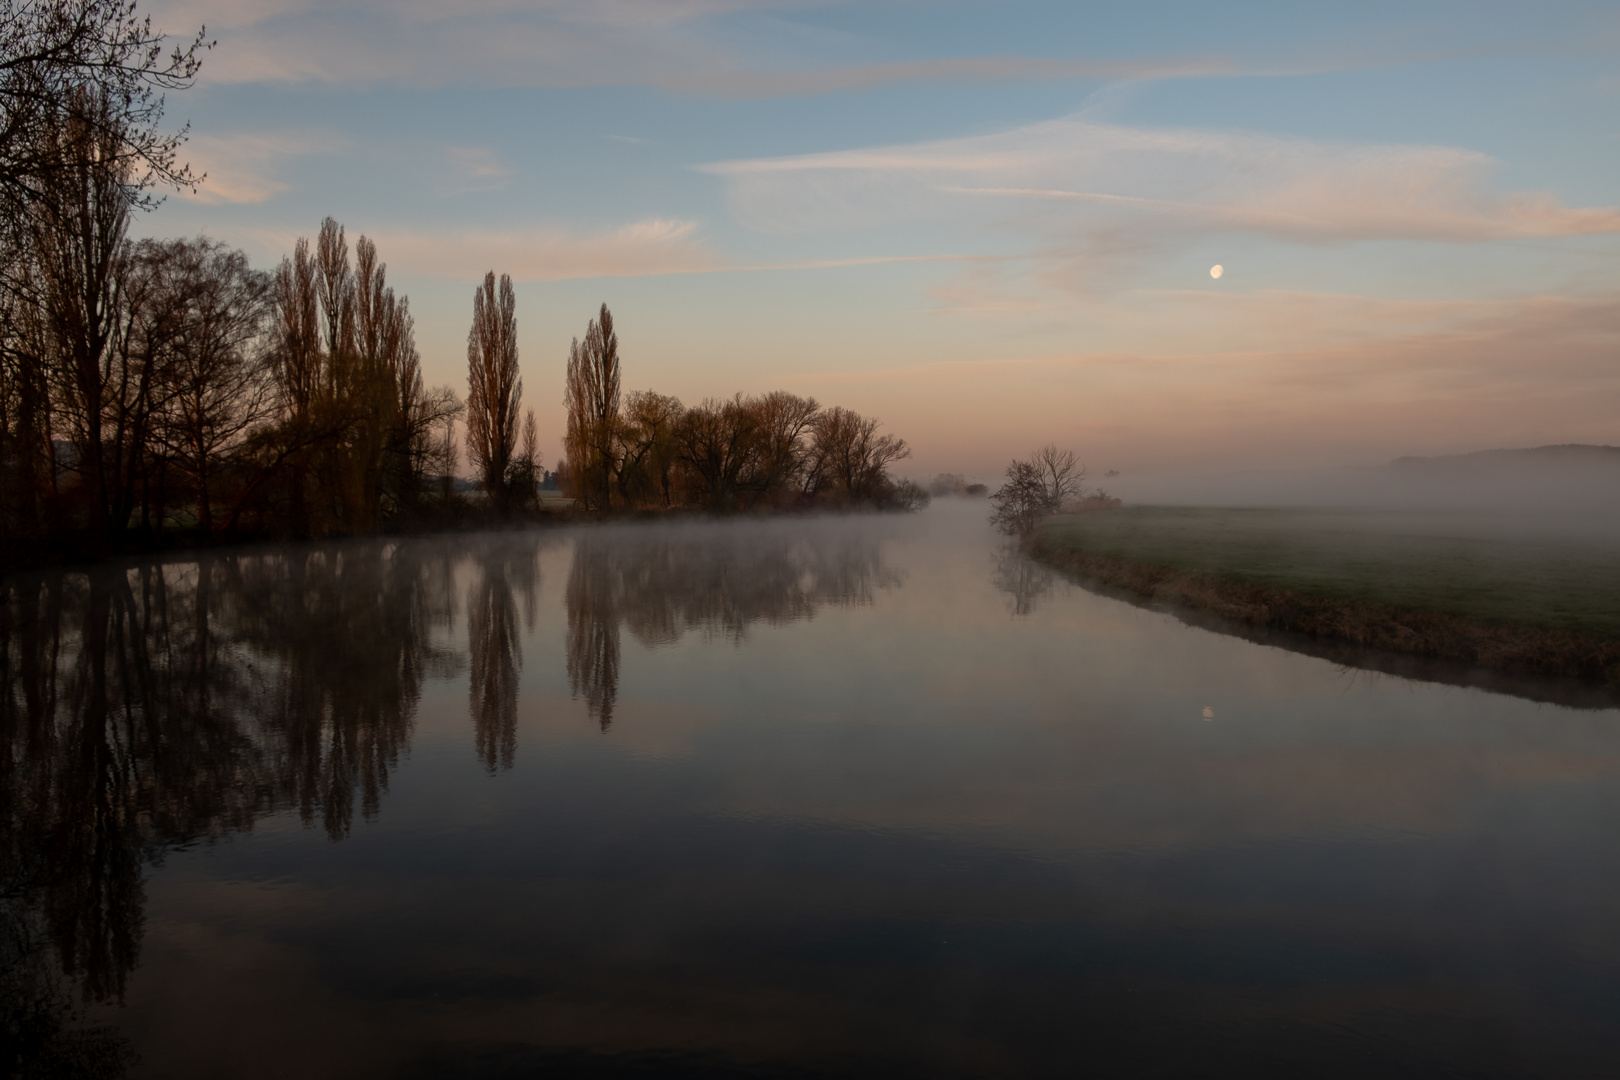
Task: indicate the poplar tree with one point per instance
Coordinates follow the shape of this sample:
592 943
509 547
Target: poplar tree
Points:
592 397
494 389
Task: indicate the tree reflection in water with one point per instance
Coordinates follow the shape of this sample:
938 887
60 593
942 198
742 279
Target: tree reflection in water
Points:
1022 578
660 583
148 707
493 645
594 589
346 631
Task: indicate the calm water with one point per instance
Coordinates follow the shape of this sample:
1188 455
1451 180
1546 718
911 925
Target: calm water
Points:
862 795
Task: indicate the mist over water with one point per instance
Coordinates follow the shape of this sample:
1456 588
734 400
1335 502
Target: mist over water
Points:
790 797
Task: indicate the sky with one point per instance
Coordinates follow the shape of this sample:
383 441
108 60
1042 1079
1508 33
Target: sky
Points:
990 224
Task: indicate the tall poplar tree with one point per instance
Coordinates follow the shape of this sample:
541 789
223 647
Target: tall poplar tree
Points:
592 396
494 389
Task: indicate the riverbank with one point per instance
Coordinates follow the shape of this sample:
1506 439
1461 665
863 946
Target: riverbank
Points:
84 547
1516 597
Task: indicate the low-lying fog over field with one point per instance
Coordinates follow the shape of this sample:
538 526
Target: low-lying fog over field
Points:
1571 486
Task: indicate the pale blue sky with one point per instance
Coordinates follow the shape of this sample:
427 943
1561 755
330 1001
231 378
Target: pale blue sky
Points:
989 223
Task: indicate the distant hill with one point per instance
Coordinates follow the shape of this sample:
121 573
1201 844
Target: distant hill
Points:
1579 455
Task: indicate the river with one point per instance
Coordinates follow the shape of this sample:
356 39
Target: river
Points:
865 795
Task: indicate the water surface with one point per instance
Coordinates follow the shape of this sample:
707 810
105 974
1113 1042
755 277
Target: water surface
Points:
859 795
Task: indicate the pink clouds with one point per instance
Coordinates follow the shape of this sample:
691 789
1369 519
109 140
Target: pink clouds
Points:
1333 379
648 247
1087 177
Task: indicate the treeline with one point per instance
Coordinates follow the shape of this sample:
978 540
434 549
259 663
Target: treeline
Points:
644 449
153 384
162 386
157 384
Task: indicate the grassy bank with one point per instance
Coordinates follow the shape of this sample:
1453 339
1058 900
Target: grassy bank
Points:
1523 596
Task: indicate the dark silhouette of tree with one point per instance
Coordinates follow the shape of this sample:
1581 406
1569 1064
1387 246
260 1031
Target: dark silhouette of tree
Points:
591 394
359 440
1036 488
716 442
1063 477
219 385
78 227
647 448
850 460
494 388
297 332
1021 502
55 55
81 147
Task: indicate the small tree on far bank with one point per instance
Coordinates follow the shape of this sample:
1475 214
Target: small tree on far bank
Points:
1063 478
1036 488
494 389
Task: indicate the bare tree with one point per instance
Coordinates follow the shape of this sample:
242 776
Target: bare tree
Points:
602 354
717 443
58 55
81 146
850 460
1035 488
493 386
297 331
431 438
1062 477
78 228
219 382
386 383
592 397
1021 502
335 287
591 394
647 447
525 471
27 459
784 423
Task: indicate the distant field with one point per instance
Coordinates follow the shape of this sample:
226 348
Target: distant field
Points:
1471 565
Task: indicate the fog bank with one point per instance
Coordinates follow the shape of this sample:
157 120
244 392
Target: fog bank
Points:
1566 483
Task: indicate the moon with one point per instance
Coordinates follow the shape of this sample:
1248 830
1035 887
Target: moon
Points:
1216 271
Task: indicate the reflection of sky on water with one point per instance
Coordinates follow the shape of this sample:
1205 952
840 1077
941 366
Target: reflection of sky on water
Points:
859 805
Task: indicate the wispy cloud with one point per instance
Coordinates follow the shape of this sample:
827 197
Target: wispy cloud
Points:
650 247
579 43
477 168
250 167
1088 177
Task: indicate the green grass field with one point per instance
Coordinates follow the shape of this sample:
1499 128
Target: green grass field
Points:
1471 565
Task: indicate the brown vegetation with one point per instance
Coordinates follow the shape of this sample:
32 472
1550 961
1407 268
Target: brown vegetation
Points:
646 450
494 390
159 389
161 386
